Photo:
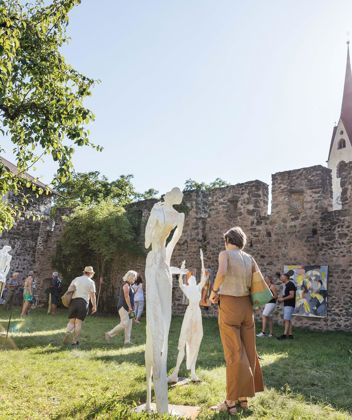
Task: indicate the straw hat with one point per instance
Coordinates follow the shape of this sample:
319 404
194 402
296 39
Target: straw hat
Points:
88 269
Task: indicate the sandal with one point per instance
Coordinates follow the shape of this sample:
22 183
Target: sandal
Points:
243 402
222 407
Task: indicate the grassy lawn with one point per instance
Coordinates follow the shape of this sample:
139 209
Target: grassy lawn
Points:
307 378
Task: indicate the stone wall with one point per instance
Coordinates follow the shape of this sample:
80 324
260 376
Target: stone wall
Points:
301 229
23 237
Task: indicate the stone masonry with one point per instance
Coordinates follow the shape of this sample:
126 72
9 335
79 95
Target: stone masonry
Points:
301 229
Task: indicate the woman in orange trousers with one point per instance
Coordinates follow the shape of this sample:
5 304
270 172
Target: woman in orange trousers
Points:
231 291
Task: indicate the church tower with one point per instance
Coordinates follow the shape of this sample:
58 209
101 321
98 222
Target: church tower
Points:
341 140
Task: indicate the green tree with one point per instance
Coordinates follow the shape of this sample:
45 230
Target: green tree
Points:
191 185
92 188
149 194
41 96
94 235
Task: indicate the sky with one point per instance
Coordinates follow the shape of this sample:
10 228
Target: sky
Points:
208 88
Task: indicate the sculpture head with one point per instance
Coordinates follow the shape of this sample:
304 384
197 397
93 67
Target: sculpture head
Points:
6 249
130 277
173 197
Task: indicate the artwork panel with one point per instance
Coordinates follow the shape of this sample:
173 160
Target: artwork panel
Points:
312 289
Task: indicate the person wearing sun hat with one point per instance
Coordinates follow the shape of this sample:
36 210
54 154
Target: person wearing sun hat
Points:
83 288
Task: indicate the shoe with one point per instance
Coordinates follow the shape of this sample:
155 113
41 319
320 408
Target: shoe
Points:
75 344
107 337
270 336
290 337
128 343
243 402
282 337
224 407
262 334
68 337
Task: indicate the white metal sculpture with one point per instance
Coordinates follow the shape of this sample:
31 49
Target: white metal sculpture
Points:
5 262
163 220
192 326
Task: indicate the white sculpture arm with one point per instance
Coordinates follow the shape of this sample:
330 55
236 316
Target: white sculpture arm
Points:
175 238
203 278
180 277
149 229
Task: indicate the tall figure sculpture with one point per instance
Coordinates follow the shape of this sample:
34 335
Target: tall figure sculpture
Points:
162 221
5 261
192 325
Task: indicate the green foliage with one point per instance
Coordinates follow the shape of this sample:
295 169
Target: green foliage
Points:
191 185
93 188
308 378
41 96
94 235
149 194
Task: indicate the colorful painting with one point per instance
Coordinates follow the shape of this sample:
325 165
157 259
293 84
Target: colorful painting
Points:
312 289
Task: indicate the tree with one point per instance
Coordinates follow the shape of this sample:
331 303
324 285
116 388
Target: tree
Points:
94 235
149 194
191 185
92 188
41 96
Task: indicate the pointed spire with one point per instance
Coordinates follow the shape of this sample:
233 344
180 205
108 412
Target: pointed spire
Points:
346 108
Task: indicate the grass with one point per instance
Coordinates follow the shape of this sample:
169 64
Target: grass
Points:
307 378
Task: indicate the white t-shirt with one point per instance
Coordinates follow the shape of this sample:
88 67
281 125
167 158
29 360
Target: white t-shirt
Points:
84 286
139 294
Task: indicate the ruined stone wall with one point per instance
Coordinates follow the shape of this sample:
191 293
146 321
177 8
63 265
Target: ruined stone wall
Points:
301 229
23 237
50 232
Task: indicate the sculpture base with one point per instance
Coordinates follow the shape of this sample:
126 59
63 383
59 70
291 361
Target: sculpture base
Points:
182 411
183 381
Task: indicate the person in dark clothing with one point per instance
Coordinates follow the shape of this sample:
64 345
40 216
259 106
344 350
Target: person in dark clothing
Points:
125 308
289 300
55 291
11 287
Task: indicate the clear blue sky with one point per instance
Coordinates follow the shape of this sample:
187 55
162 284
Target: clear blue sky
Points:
203 89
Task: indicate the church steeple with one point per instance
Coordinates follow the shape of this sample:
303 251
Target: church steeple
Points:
341 140
346 108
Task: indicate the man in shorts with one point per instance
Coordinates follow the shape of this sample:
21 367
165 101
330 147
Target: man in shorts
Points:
289 300
84 291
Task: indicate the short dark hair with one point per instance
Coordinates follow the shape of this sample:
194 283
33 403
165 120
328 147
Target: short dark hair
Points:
236 236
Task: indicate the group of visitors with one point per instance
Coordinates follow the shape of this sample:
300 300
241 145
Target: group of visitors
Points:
289 302
130 305
231 291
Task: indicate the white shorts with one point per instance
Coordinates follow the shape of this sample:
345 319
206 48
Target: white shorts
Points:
268 310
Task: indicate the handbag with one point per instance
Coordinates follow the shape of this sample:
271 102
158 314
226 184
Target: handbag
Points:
260 291
132 315
67 297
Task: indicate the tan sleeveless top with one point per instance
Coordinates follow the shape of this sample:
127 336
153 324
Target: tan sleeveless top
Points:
238 277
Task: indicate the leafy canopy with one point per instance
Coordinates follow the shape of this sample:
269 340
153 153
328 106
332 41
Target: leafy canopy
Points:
88 188
94 235
41 96
91 188
191 185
